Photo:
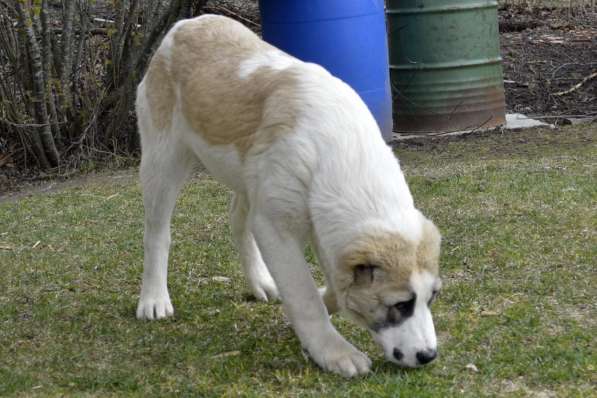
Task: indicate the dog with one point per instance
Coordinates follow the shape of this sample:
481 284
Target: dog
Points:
307 164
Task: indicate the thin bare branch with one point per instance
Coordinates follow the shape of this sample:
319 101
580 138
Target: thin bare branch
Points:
577 86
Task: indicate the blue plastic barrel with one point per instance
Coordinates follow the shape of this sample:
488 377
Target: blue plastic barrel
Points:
347 37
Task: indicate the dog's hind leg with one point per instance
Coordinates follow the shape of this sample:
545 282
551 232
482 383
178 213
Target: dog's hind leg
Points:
165 165
259 279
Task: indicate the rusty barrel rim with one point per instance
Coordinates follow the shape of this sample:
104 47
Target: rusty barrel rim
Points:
428 10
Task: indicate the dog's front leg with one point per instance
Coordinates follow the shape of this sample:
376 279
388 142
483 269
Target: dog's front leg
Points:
282 252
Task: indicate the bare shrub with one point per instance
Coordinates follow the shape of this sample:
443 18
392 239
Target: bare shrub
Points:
68 72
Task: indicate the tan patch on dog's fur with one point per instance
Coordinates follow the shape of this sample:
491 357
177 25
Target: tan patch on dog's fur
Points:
428 250
161 96
219 105
388 251
395 260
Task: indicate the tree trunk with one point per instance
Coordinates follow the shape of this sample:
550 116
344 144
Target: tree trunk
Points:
67 56
48 63
186 9
160 27
49 156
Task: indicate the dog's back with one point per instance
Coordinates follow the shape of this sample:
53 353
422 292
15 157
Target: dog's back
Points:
218 76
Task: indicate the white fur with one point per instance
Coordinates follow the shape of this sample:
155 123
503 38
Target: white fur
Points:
417 333
328 179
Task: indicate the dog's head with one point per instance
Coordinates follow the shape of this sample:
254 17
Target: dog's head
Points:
387 286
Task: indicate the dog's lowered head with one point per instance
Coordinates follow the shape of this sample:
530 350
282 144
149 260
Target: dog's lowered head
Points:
388 285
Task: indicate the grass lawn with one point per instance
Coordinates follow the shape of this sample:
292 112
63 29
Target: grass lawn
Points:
516 316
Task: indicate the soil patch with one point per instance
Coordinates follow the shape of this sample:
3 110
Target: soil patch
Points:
547 52
28 187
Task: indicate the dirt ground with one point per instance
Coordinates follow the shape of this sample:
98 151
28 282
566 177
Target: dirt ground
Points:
547 52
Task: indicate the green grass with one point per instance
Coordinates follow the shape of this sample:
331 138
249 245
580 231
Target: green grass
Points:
518 216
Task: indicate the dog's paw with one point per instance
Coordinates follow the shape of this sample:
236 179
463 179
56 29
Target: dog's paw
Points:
262 284
154 306
337 355
264 288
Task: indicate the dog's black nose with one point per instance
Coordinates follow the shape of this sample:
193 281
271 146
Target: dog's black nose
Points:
398 354
426 356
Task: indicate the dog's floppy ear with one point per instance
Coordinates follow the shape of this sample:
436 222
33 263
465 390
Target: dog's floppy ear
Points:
429 248
364 274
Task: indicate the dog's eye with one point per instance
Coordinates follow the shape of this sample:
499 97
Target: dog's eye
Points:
406 307
364 274
433 297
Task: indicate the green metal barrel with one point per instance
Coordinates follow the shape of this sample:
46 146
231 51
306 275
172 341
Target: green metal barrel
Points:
445 65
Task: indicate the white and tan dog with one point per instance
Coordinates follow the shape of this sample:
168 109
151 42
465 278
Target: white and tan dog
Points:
307 163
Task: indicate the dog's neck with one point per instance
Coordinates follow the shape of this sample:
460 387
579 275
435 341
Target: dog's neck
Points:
361 190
